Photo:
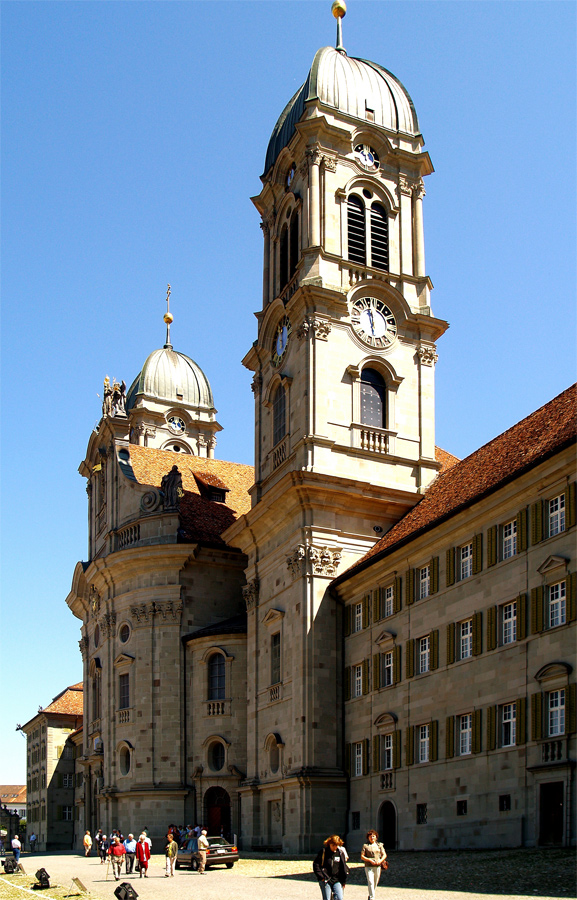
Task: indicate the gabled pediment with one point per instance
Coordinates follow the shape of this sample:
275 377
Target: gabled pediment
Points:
386 718
272 616
386 637
551 564
554 669
124 659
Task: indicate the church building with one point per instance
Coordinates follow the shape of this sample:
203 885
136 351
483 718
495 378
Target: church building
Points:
360 631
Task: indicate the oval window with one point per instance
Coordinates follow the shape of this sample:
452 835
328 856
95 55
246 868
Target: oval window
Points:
124 760
216 756
124 633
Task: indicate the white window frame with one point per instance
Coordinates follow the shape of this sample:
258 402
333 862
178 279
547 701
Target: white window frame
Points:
466 639
465 734
557 606
509 623
466 561
358 758
358 618
424 582
388 605
387 759
387 668
423 743
67 814
357 681
510 539
508 724
557 515
556 713
424 654
67 781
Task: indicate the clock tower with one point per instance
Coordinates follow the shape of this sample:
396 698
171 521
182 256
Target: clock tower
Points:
344 365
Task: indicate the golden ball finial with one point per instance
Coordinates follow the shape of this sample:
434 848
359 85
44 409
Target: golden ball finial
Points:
168 318
339 9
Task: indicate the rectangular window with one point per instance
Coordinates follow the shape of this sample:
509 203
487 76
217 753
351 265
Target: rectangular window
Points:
466 639
508 724
358 759
387 668
123 691
509 623
424 644
557 600
387 751
423 743
465 734
68 752
67 813
358 618
421 813
557 515
68 781
461 807
504 802
510 539
357 681
465 561
275 658
556 713
388 602
424 581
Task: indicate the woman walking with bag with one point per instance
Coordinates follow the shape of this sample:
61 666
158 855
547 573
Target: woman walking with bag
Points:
330 867
374 857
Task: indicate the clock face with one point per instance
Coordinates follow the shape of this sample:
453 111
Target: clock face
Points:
374 322
176 425
367 157
281 339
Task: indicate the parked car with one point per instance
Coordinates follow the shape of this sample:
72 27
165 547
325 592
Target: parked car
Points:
220 853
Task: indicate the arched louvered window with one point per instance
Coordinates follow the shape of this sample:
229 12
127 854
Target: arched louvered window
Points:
216 677
357 237
278 415
373 399
294 244
284 257
379 237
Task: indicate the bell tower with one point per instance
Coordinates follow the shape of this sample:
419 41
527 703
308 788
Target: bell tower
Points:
344 416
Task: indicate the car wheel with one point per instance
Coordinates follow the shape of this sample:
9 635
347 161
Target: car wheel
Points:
229 865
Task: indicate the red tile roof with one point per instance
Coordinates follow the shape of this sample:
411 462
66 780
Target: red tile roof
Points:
446 459
12 793
68 702
201 519
529 442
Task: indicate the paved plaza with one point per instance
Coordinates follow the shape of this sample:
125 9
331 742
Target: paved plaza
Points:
464 875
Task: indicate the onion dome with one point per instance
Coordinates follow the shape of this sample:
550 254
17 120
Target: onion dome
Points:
172 377
351 86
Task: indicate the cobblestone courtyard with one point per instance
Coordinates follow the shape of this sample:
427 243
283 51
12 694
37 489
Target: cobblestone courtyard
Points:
464 875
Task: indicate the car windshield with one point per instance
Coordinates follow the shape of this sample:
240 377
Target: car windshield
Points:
218 842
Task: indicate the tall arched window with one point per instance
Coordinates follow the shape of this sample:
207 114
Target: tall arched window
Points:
216 677
368 233
278 415
373 399
284 257
289 250
294 244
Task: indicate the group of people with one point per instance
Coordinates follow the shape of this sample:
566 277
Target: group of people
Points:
116 849
331 869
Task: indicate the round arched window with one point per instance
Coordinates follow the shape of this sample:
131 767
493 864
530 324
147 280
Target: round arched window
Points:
124 760
216 756
273 753
124 633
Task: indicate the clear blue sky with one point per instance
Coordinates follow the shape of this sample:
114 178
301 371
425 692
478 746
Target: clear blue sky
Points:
134 134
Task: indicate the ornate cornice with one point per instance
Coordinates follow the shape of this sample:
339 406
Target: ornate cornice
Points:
312 560
169 610
427 356
108 624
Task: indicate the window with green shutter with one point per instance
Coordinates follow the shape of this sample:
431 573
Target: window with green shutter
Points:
434 741
434 661
571 596
366 750
477 554
450 643
348 616
570 505
536 717
396 664
434 569
521 617
521 713
491 628
522 530
376 671
450 737
410 658
570 709
396 750
492 536
376 753
377 614
450 566
366 669
537 522
398 594
537 610
409 745
410 580
366 610
477 634
491 728
477 724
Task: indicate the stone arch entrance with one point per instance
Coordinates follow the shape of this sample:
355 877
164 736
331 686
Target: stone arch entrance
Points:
388 825
217 811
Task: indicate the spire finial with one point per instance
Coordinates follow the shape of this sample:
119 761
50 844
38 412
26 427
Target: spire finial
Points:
168 318
339 11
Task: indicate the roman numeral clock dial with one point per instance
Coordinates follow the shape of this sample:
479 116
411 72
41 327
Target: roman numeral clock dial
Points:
373 322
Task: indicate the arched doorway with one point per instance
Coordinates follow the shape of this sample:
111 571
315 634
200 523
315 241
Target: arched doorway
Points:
217 812
388 825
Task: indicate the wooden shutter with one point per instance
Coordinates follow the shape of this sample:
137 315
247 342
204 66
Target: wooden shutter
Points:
450 737
536 717
348 759
570 505
366 665
434 657
60 780
409 745
521 617
570 711
410 658
477 554
348 620
59 813
366 610
571 596
376 671
477 633
450 566
396 749
434 741
366 751
410 586
396 664
491 728
398 594
491 628
522 529
521 717
492 557
377 596
348 683
537 522
434 571
477 734
376 753
450 643
537 610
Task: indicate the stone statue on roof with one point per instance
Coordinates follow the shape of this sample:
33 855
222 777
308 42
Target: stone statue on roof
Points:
171 487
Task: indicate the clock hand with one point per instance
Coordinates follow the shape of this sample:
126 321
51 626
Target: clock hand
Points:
371 321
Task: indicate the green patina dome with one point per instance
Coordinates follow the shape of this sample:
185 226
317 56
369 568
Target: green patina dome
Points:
173 377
